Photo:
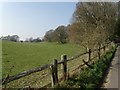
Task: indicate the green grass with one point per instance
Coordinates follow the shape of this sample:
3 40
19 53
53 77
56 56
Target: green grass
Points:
91 78
24 56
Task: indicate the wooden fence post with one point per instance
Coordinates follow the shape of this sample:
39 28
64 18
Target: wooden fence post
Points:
55 65
89 58
104 48
61 60
64 58
52 75
99 52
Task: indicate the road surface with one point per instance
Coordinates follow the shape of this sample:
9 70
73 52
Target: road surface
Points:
113 77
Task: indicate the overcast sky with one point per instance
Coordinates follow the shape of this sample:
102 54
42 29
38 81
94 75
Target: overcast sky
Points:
33 19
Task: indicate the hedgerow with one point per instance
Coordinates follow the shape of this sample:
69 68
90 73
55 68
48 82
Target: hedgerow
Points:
91 78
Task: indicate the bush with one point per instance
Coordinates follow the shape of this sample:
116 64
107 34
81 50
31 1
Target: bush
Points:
91 78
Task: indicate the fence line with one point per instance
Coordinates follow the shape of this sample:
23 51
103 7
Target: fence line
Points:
54 67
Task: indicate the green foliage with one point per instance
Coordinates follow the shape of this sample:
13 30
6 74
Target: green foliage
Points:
60 35
91 78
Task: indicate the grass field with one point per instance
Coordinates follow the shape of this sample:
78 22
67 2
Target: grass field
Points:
23 56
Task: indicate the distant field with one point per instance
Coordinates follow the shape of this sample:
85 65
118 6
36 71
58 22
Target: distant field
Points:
24 56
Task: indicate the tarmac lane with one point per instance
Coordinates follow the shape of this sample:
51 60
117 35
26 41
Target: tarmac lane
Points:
113 77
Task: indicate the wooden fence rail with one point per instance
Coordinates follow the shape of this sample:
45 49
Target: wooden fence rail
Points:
53 68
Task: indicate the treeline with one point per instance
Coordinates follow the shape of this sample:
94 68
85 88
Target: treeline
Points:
16 38
31 39
60 35
93 25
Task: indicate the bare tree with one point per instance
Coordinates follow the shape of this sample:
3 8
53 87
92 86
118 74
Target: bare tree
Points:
93 23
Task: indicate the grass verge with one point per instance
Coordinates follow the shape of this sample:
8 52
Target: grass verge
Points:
91 78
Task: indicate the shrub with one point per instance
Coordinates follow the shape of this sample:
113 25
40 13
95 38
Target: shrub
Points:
91 78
